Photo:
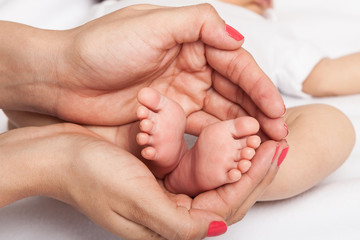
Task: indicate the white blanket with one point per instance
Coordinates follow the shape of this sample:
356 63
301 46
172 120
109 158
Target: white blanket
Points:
331 210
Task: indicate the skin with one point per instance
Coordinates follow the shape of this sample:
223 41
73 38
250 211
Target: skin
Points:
328 79
298 121
62 73
307 163
324 79
76 66
60 159
221 154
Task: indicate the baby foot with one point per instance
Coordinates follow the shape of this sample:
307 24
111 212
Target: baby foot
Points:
220 155
162 126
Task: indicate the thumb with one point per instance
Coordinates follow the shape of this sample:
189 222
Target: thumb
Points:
209 225
191 23
180 222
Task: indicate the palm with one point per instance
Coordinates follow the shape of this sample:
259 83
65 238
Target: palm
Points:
104 73
180 73
187 79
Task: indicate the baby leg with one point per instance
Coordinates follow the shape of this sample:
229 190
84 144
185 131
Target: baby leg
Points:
320 139
219 156
162 127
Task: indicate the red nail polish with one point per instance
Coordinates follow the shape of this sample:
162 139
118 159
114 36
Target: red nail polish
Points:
284 110
286 128
276 151
234 33
283 155
216 229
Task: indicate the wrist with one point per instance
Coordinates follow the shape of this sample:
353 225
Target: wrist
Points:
29 59
35 161
20 168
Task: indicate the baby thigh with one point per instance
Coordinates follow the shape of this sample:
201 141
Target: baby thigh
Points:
320 139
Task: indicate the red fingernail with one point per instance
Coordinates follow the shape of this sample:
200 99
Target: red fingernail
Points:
287 129
234 33
276 151
283 155
216 229
284 110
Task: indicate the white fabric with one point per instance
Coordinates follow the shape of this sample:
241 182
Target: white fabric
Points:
47 14
329 211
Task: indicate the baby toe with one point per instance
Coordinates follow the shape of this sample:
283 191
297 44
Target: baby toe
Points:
149 153
241 143
150 98
233 175
247 153
253 141
142 112
245 126
146 125
244 166
142 138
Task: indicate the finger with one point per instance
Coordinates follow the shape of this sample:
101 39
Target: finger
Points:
197 121
233 92
152 208
173 221
220 107
261 165
240 68
216 105
261 187
231 197
181 221
198 22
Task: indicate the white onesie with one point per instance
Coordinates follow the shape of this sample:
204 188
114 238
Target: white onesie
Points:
282 56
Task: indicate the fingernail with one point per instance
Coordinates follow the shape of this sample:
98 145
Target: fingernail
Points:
283 155
234 33
276 151
284 110
286 128
216 229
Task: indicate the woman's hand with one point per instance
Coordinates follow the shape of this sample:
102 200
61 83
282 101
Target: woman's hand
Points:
116 190
91 74
120 194
186 53
113 188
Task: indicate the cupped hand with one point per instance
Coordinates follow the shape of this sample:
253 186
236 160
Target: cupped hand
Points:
116 190
113 188
188 54
230 202
233 201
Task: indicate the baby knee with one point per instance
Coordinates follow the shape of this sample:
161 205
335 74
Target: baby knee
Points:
326 124
335 120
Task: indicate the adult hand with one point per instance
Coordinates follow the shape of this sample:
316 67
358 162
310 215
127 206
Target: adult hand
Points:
231 201
91 74
113 188
181 59
116 190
